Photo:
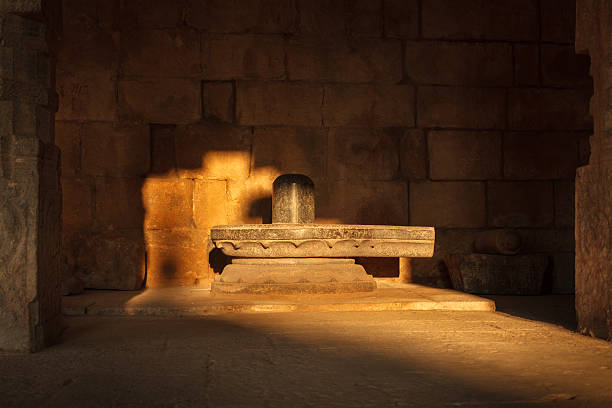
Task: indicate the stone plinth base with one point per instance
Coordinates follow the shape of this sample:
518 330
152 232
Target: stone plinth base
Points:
293 276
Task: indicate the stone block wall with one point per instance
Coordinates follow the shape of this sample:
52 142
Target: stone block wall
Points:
176 115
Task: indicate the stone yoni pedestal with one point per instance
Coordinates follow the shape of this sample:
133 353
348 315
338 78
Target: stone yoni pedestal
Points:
294 255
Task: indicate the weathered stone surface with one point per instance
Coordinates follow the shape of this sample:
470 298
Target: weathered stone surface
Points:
212 150
476 19
413 154
593 259
564 203
163 154
284 104
218 101
331 18
500 242
497 274
152 13
363 153
563 276
479 108
368 105
526 64
301 150
77 204
365 202
141 50
455 63
87 95
176 264
68 139
520 204
210 203
363 60
447 204
545 109
464 155
530 155
243 57
293 200
291 275
562 67
106 261
401 18
167 203
323 240
175 101
114 150
250 16
558 20
119 203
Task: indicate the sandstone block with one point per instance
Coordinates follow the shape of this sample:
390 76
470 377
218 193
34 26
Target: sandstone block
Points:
363 153
563 273
68 139
250 201
374 202
562 67
86 95
218 101
413 155
118 203
464 155
300 150
564 203
480 108
283 104
562 109
540 155
152 13
520 204
490 20
447 204
86 15
209 203
558 20
246 16
175 101
526 64
401 18
115 261
368 105
213 150
115 150
76 54
365 60
163 153
141 50
497 274
168 203
457 63
169 266
243 57
77 204
331 18
547 240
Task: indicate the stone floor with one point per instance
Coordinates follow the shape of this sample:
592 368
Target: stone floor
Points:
319 359
186 301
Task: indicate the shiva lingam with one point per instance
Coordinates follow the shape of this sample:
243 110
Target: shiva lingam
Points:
295 255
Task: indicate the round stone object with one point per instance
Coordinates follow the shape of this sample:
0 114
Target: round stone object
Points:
293 199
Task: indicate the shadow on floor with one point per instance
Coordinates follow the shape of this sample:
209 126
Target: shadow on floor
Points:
555 309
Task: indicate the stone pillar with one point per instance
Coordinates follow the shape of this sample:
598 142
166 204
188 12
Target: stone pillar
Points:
30 196
594 181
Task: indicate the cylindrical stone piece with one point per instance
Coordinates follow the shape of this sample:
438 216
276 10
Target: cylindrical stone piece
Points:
502 242
293 200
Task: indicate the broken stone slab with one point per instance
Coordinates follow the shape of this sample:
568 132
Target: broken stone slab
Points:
323 240
497 274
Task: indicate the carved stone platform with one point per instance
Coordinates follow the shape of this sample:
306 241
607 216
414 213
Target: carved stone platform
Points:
293 275
323 240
